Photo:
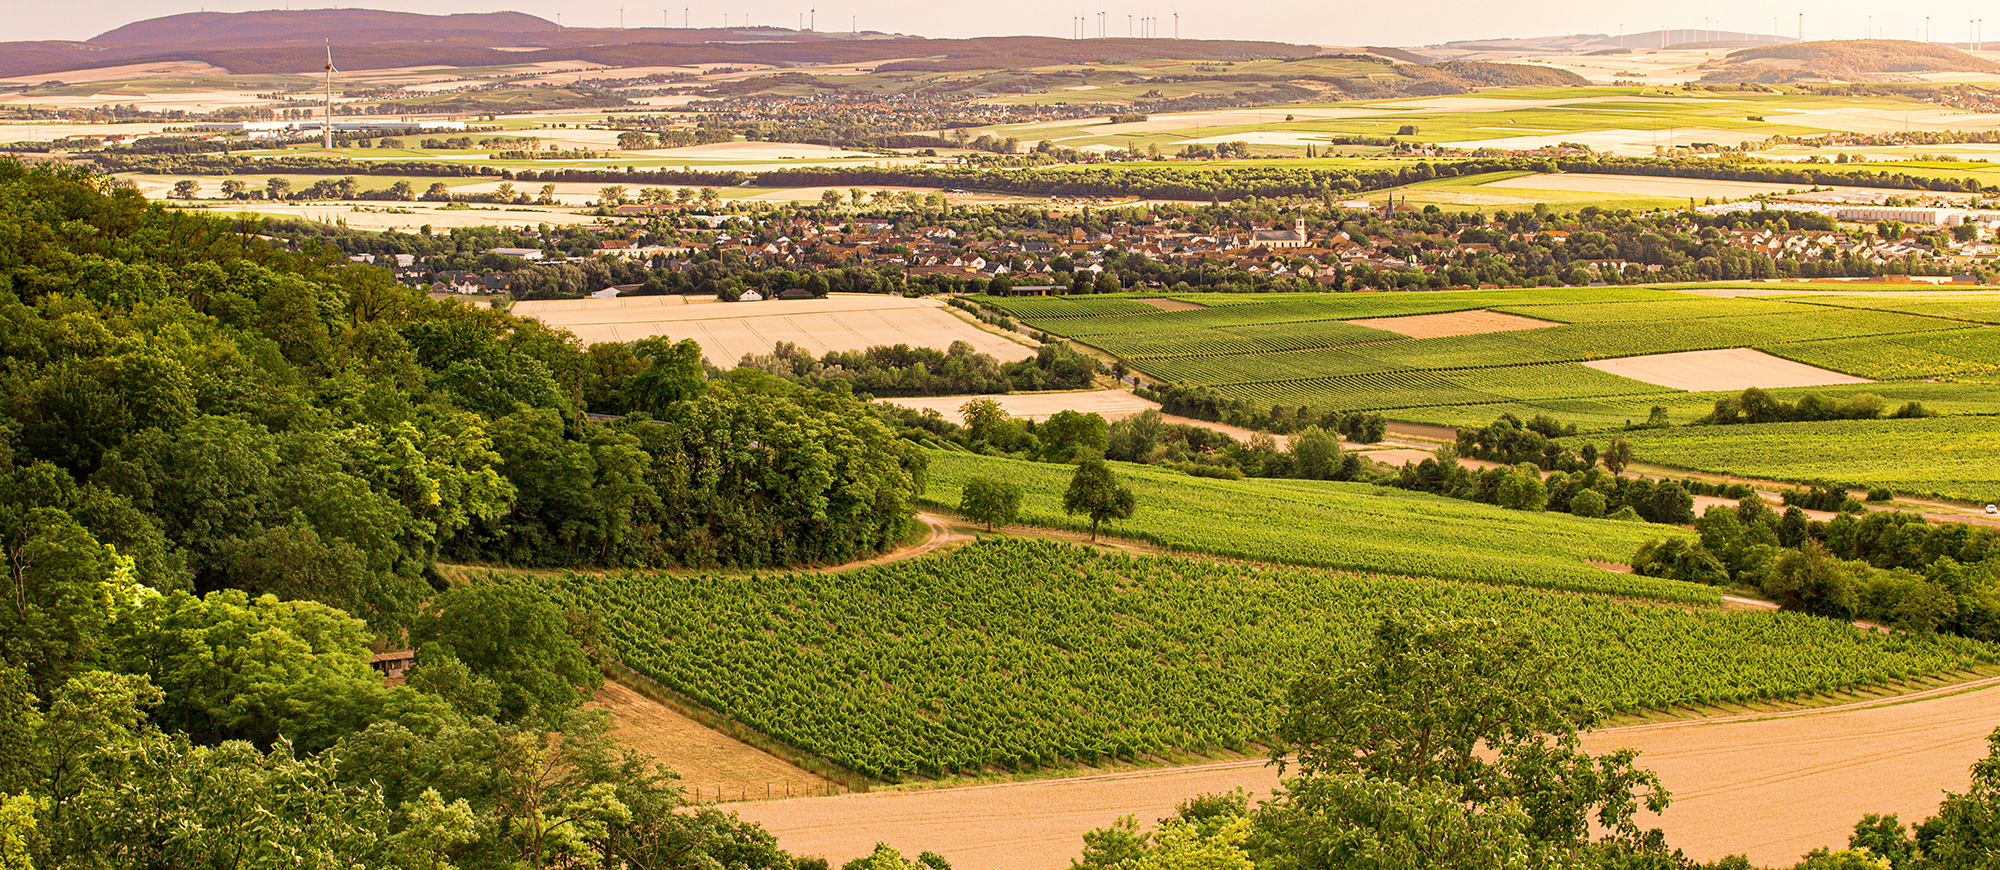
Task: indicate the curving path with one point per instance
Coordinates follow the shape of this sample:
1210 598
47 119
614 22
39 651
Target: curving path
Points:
1771 786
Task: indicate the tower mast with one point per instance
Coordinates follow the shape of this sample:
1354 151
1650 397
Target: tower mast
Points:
328 129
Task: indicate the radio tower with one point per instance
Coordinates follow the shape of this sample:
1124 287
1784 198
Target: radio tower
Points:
329 97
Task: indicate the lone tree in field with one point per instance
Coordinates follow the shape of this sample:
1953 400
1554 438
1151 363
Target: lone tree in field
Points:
1617 455
1095 492
990 501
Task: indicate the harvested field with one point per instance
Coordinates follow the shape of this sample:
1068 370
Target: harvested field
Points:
1109 404
196 101
749 151
1646 185
406 217
1732 369
20 132
702 756
1474 322
1180 121
157 69
1621 141
727 331
1173 304
1771 788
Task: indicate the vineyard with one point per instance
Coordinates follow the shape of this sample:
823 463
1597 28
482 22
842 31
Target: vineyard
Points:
1011 654
1973 309
1300 349
1347 526
1949 457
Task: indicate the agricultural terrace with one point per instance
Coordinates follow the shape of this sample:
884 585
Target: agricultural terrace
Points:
1013 654
1330 351
1347 526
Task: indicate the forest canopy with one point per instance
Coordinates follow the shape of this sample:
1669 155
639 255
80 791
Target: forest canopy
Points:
223 414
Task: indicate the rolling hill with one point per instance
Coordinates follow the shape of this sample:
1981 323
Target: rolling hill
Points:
278 42
1850 60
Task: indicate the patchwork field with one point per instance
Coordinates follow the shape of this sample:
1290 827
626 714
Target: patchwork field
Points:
1630 121
1598 357
727 331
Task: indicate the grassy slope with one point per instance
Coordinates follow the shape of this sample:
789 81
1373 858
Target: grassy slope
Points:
1340 525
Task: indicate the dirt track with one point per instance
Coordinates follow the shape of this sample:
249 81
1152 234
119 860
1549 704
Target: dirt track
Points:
1771 788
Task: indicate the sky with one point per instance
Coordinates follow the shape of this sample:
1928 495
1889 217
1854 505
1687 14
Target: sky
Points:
1298 21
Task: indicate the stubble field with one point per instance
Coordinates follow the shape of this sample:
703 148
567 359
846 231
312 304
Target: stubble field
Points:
727 331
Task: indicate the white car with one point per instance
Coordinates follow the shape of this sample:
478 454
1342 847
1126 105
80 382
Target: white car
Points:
1992 510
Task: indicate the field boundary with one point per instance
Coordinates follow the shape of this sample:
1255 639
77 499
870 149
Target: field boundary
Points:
1946 690
1141 771
653 690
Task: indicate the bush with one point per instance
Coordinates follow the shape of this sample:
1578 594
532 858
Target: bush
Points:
1880 493
1588 503
1679 559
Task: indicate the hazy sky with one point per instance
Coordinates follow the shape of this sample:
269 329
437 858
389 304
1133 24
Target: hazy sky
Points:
1301 21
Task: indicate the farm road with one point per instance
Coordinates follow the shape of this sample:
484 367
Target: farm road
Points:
1771 786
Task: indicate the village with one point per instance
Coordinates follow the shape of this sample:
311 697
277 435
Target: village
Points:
1348 249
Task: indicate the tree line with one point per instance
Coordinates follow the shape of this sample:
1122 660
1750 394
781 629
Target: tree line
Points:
902 370
1888 567
1161 182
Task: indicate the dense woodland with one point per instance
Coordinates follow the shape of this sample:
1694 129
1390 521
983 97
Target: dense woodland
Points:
901 370
230 472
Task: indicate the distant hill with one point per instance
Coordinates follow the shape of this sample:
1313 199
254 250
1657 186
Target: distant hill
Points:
1854 60
272 29
282 42
1596 43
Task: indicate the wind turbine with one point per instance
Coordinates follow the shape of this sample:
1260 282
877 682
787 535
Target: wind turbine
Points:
329 97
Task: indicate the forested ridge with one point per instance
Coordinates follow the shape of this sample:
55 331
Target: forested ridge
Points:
1179 182
227 475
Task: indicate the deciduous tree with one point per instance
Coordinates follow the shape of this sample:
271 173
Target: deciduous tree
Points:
990 501
1095 492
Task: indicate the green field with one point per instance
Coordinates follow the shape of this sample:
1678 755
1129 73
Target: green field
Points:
1011 654
1298 349
1470 193
1348 526
1950 457
1528 113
